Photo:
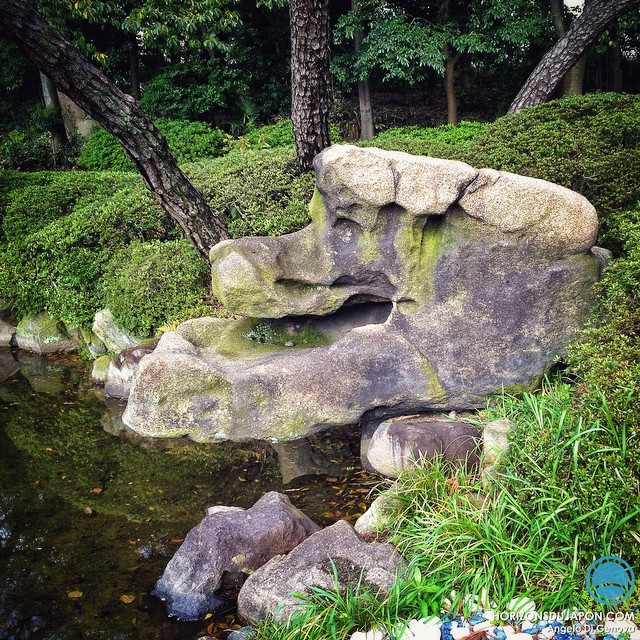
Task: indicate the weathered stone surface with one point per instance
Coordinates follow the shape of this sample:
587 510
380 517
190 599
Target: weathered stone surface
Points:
100 369
495 440
7 334
43 334
396 445
114 337
94 345
229 542
420 285
123 367
269 590
377 516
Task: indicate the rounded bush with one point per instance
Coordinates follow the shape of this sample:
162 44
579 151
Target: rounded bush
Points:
148 284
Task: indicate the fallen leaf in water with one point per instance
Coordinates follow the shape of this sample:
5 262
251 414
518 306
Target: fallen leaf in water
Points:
331 479
362 505
48 449
208 615
127 598
96 490
180 541
211 629
74 595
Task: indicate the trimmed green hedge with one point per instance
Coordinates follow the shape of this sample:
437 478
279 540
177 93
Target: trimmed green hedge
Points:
147 284
69 235
189 141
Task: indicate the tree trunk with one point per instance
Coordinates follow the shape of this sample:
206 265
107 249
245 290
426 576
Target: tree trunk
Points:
567 51
573 82
309 78
51 101
119 114
452 101
367 129
134 68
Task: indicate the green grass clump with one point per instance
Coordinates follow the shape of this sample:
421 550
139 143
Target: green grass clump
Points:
147 284
566 494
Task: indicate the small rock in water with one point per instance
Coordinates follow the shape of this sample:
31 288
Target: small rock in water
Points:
288 344
87 511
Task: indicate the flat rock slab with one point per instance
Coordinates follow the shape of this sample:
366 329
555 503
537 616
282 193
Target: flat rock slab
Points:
269 591
420 285
229 542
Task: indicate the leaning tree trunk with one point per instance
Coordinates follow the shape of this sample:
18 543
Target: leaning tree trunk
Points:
119 114
310 38
51 101
567 51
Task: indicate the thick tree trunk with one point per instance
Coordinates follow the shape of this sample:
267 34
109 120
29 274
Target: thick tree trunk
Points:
367 129
309 78
449 85
567 51
119 114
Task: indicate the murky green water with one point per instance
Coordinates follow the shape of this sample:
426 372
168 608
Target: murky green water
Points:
89 519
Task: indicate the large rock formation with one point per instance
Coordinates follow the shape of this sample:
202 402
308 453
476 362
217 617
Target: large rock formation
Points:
420 284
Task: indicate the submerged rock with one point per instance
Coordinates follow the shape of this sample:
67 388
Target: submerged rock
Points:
421 284
335 550
229 542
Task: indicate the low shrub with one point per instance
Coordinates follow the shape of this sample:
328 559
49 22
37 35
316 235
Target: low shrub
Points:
258 193
605 357
149 283
189 141
51 195
62 230
57 266
446 141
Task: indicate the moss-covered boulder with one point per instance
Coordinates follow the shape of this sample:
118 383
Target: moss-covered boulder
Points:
420 284
43 334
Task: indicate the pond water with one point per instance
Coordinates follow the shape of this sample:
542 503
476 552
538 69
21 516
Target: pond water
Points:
90 515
